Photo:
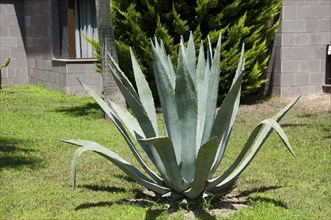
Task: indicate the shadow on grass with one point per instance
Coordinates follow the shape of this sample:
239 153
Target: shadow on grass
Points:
140 198
124 177
307 115
328 133
257 190
292 125
269 200
229 203
152 214
276 202
109 189
12 156
135 202
87 109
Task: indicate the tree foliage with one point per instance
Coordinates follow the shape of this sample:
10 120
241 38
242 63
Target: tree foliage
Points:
136 22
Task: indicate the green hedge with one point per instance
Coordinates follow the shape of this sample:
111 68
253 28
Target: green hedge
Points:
253 22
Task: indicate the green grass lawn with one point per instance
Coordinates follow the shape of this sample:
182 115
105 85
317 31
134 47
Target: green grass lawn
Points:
35 166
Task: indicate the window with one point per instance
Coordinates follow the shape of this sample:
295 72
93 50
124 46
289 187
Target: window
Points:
77 18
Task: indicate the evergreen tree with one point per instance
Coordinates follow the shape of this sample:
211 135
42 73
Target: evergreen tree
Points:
136 22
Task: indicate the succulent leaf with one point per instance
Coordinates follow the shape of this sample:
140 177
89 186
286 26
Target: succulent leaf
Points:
257 138
203 164
186 101
127 118
167 99
125 166
212 78
210 52
201 95
6 63
119 126
144 122
165 148
191 59
119 73
137 108
227 113
145 94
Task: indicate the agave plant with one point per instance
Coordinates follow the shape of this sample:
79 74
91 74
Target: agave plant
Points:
196 134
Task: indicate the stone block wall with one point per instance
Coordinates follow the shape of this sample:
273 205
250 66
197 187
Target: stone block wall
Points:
298 61
11 42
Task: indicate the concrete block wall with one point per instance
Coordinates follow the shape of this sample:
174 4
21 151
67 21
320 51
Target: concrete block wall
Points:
299 54
67 71
29 34
46 67
11 42
39 43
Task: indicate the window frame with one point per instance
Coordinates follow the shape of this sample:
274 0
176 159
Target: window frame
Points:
68 35
71 31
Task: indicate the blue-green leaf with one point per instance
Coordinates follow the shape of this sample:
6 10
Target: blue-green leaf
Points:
201 95
212 91
201 67
137 109
120 74
226 116
209 52
123 132
203 164
191 59
144 122
145 94
129 120
186 101
258 138
165 148
125 166
167 98
171 72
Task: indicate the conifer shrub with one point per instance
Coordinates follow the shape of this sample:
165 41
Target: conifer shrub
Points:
239 21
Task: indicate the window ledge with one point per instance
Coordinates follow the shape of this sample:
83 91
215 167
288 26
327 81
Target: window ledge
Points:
84 60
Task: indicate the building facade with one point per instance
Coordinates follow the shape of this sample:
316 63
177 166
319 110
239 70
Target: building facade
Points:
44 40
300 63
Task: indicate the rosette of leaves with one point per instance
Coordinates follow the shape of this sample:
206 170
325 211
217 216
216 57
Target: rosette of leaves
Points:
196 134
